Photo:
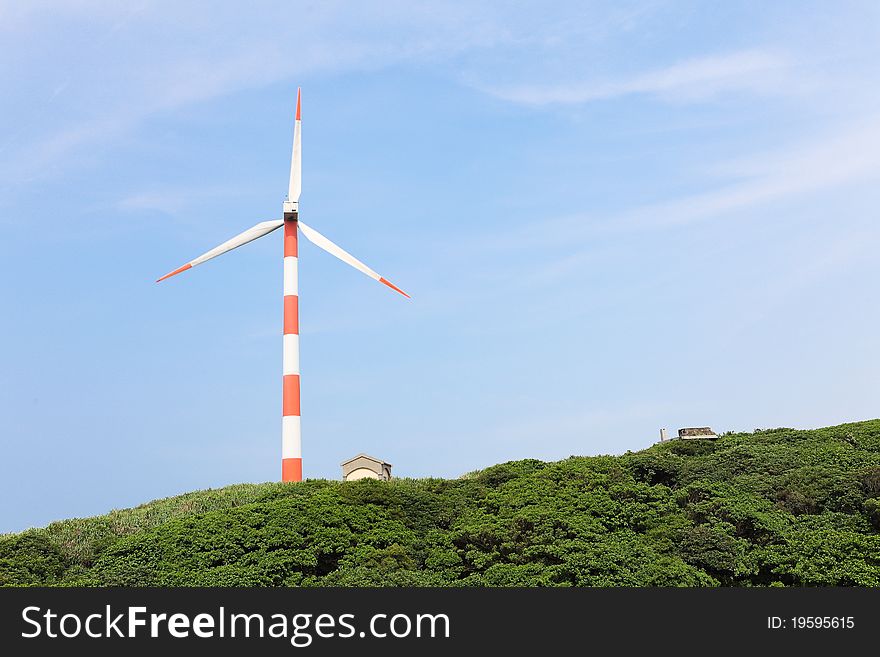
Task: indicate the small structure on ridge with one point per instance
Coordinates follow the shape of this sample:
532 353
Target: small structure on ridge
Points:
364 466
696 433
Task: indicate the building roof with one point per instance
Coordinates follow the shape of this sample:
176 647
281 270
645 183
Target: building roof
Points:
366 456
696 431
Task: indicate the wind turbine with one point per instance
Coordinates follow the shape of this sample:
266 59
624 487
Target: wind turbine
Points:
291 452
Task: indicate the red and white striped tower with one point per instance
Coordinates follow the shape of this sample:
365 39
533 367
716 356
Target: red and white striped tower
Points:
291 439
291 448
291 436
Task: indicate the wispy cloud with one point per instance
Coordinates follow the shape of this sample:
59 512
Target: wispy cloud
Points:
850 155
812 173
692 79
205 59
174 200
842 251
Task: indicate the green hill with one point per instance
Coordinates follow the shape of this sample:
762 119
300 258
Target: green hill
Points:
774 507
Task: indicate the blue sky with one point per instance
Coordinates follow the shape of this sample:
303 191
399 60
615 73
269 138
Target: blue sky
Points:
612 216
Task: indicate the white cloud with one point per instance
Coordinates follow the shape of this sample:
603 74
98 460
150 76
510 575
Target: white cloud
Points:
152 61
813 173
825 258
174 201
693 79
849 156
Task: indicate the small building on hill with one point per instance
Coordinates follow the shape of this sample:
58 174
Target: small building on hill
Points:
364 466
696 433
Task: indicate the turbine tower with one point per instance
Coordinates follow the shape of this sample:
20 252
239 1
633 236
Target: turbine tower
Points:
291 451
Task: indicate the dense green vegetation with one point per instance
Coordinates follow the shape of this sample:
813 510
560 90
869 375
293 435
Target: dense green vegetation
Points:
775 507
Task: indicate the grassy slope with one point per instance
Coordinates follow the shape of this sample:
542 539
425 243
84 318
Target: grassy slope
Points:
778 507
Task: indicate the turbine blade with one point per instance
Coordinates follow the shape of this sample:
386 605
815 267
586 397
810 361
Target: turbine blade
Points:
319 240
263 228
294 189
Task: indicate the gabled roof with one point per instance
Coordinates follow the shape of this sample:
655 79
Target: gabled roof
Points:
366 456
